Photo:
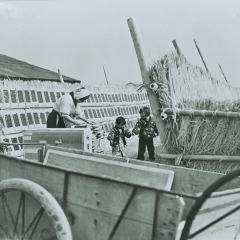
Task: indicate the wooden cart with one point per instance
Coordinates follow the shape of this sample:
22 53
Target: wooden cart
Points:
72 194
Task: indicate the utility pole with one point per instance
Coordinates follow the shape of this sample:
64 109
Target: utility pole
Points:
105 74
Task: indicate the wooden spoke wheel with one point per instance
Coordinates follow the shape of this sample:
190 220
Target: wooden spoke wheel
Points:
28 211
201 200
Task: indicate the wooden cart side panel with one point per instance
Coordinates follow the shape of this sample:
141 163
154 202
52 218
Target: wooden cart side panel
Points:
96 204
129 173
52 179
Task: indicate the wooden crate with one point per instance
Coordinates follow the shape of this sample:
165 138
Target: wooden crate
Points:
74 138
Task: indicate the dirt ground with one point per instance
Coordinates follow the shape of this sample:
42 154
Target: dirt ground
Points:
132 147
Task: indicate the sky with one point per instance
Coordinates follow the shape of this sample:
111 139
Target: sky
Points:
79 37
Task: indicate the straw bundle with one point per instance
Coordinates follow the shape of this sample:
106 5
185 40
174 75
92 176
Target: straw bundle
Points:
188 87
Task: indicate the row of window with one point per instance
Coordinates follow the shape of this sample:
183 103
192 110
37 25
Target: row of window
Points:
32 96
38 118
24 120
111 112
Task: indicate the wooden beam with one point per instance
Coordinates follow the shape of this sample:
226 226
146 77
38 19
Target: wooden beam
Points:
142 60
201 55
176 47
105 74
202 157
203 113
223 73
60 76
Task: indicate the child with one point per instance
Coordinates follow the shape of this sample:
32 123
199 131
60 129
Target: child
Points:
117 135
147 130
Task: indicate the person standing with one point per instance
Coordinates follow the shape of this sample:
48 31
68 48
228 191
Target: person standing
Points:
117 136
146 128
66 107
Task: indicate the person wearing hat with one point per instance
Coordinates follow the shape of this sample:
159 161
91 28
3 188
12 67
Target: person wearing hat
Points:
67 106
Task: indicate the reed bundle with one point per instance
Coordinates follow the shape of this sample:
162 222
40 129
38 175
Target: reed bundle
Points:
184 86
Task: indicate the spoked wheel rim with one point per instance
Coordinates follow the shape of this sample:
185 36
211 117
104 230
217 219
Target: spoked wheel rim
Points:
28 211
202 199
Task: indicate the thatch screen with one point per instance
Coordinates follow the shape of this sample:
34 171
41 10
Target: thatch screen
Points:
182 86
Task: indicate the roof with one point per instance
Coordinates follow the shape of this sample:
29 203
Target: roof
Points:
13 68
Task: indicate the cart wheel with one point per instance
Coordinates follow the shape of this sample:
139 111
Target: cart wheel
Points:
28 211
202 199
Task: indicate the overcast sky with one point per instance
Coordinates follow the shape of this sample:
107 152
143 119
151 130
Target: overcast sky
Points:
79 37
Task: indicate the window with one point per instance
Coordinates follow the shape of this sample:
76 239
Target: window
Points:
1 96
91 98
36 118
86 113
96 98
23 119
8 121
52 96
43 118
16 120
102 112
30 119
113 112
90 113
106 113
94 113
99 97
20 96
40 97
33 94
6 96
103 97
46 95
13 96
27 96
98 113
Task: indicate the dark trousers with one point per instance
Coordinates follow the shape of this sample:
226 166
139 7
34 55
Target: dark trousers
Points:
142 144
54 120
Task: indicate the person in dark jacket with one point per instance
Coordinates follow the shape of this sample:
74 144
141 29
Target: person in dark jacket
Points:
117 136
146 128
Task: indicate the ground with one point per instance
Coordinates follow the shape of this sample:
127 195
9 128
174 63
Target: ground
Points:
132 147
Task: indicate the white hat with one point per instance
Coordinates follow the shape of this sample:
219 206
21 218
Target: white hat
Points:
80 93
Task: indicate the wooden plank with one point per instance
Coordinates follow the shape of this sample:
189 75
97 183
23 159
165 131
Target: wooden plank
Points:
141 175
50 178
95 205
